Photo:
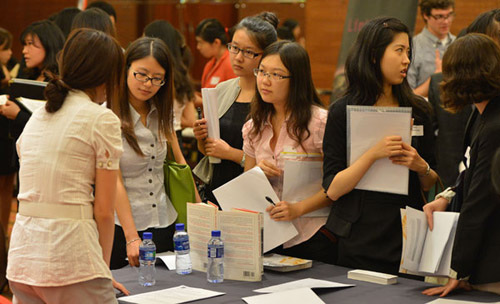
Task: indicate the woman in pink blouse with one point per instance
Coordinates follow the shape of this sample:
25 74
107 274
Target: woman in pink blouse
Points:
288 122
69 155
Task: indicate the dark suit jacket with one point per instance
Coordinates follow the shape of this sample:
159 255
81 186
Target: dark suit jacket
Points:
450 128
476 250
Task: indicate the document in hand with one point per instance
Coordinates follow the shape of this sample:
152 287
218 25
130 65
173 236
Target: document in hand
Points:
179 294
301 180
366 126
241 231
210 110
249 191
26 88
425 252
31 105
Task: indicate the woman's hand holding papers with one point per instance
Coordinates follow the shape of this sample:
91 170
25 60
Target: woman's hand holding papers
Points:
200 129
410 158
10 110
217 148
269 169
389 146
437 205
284 211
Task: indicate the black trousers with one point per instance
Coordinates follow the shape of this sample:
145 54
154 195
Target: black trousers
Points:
162 237
319 248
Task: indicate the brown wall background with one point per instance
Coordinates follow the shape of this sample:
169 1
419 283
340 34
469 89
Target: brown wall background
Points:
322 22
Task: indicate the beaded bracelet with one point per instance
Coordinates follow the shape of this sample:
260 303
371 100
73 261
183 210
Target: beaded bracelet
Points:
130 242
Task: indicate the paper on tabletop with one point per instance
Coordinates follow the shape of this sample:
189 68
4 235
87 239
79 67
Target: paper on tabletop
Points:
294 296
248 191
304 283
179 294
168 258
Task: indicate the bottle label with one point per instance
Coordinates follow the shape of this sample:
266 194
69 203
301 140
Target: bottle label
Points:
147 255
181 244
215 252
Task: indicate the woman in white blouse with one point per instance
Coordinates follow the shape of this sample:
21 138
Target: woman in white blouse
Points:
61 242
146 111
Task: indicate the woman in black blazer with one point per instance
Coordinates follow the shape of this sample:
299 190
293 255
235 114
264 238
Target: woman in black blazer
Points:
471 69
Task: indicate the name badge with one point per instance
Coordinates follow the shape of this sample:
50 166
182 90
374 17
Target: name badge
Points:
214 80
417 130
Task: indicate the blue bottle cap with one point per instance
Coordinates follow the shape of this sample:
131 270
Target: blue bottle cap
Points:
147 235
179 227
216 233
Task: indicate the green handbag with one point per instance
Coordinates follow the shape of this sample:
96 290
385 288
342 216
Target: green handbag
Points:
179 185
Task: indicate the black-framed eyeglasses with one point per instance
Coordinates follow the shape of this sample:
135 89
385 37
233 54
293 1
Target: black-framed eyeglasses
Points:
440 17
273 76
156 81
246 53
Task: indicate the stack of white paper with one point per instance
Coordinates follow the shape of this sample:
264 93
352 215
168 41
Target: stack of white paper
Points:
427 252
366 126
210 106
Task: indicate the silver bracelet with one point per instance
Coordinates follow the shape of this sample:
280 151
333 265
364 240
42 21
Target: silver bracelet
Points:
427 171
130 242
242 162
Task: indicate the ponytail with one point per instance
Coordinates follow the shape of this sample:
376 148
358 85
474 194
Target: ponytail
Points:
55 92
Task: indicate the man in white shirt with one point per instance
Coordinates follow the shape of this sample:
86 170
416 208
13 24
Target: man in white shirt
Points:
431 43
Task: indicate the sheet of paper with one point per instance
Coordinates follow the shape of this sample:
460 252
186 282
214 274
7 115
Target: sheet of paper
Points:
304 283
31 104
416 230
366 127
296 296
179 294
3 99
210 106
301 180
436 241
168 258
248 191
449 301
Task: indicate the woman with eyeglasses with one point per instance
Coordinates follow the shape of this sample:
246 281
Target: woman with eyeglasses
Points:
146 113
252 35
288 122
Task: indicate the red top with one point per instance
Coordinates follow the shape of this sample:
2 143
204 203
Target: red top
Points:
214 73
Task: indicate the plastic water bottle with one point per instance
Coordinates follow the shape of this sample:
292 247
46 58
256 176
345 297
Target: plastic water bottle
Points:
215 268
147 259
181 246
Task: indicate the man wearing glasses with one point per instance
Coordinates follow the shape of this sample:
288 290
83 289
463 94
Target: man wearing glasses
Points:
431 43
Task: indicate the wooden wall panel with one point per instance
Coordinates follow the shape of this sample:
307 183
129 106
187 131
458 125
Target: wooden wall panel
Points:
282 10
325 22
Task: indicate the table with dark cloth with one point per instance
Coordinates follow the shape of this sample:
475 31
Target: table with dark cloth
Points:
405 291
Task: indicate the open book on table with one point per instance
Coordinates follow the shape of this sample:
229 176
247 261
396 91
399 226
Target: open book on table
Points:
426 252
241 232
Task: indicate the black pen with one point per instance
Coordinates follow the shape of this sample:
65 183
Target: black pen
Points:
198 109
270 200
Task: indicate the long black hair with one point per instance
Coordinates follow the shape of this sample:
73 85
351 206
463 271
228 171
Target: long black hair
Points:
52 40
363 72
166 32
162 100
301 95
